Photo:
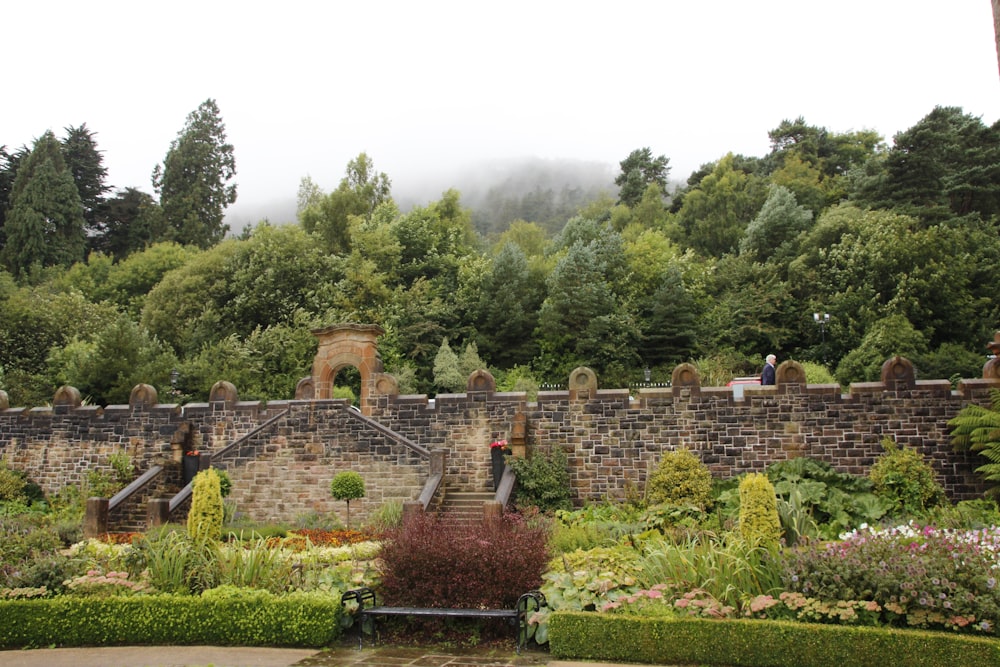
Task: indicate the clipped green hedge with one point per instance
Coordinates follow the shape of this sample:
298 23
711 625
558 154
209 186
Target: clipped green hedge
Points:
238 618
756 643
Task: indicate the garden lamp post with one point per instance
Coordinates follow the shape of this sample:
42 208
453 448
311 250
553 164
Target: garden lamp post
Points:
822 319
646 375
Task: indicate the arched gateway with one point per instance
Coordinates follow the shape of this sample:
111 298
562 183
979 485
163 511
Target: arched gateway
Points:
343 345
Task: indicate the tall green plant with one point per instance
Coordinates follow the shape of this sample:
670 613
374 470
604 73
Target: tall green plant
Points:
977 429
253 564
166 556
729 569
759 522
205 516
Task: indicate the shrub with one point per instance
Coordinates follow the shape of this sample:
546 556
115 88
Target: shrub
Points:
919 576
225 482
49 571
758 510
680 479
24 539
12 483
665 641
223 617
426 563
902 476
204 520
542 480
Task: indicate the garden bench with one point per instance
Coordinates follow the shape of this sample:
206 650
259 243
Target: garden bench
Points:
531 601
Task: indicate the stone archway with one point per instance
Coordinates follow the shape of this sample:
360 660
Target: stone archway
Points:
342 346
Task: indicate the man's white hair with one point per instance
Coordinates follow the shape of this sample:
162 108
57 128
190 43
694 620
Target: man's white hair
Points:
771 358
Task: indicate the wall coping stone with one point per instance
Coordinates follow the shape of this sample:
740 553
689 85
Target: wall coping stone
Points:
968 387
866 387
728 391
197 408
832 390
168 408
937 387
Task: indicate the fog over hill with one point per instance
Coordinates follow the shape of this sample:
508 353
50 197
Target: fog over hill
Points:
546 191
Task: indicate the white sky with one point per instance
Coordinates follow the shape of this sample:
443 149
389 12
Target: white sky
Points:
429 87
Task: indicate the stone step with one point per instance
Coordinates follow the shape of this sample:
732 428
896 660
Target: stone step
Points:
463 507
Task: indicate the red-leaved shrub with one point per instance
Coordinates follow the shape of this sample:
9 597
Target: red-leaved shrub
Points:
427 563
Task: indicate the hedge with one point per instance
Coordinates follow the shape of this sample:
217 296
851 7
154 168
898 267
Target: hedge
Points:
758 643
235 617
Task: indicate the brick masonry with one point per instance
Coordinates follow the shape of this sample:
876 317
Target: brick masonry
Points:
282 455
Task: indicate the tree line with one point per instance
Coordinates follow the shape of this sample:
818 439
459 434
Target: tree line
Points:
896 242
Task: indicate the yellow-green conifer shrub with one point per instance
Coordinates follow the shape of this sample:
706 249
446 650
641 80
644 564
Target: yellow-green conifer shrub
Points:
205 516
680 479
759 520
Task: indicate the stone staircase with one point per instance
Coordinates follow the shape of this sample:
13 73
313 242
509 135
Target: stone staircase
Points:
463 507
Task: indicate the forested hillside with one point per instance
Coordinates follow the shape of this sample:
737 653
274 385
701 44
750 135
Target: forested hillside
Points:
895 240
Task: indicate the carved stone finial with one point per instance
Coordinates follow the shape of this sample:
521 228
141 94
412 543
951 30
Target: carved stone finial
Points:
143 396
481 381
582 380
898 371
685 375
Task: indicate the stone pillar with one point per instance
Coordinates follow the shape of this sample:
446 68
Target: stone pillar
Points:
519 435
95 522
157 512
492 511
412 509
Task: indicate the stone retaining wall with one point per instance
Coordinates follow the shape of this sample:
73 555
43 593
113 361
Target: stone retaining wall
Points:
612 440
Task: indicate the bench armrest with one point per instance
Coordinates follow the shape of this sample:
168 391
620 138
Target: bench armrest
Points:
361 595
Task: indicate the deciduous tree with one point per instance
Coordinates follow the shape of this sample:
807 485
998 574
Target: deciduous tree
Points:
360 192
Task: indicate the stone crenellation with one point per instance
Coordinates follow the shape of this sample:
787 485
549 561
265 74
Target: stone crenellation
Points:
282 455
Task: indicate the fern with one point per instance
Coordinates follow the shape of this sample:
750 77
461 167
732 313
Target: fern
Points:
977 429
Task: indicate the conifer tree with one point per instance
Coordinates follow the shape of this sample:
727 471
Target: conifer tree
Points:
193 182
45 224
447 375
85 163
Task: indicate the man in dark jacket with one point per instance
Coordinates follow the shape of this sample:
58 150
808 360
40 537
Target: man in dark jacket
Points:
767 375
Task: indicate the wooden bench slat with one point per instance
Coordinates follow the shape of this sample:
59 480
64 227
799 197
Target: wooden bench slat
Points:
441 611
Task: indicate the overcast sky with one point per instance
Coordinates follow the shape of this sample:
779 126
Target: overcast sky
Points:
427 88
